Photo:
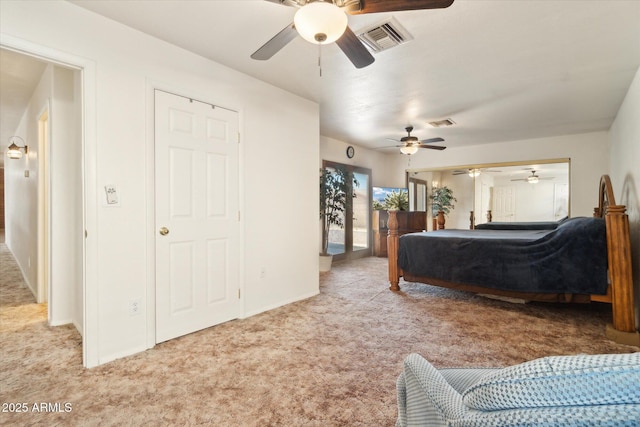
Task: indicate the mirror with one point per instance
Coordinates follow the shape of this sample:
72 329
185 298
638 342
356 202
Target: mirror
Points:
496 192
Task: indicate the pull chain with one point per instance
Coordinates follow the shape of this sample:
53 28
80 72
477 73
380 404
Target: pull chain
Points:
320 58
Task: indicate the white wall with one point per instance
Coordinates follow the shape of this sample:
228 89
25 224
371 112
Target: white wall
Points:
625 171
280 140
381 175
66 199
463 191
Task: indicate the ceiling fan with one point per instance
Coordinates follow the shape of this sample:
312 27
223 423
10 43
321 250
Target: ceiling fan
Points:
532 179
325 21
410 144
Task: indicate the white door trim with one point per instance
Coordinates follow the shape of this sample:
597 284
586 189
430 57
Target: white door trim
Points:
44 214
194 93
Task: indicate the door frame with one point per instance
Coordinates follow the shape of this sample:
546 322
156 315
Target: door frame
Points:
348 220
199 94
412 187
44 209
87 70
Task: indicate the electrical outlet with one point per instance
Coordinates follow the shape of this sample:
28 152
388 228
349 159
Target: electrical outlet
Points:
135 307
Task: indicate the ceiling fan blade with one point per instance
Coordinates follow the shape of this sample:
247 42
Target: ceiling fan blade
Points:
388 146
375 6
432 147
276 43
430 140
354 49
285 2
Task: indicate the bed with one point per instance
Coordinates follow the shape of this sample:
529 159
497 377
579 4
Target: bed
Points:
574 260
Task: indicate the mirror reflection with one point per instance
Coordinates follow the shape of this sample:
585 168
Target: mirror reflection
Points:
507 192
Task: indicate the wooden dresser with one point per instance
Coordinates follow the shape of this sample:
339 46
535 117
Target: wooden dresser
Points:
408 222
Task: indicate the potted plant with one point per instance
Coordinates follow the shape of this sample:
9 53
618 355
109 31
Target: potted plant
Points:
333 204
441 203
396 201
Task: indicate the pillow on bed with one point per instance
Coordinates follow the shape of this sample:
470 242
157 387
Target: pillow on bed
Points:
534 225
606 379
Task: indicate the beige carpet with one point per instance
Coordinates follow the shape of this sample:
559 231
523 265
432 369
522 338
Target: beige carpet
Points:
331 360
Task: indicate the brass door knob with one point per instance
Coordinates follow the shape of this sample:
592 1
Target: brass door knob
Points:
164 231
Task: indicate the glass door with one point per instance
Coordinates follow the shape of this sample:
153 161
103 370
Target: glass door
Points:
417 195
350 237
361 214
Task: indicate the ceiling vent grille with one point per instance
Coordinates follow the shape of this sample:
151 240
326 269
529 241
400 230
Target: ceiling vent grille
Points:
385 35
442 123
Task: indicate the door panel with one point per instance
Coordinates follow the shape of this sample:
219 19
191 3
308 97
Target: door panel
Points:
197 202
182 283
504 201
216 188
217 254
181 185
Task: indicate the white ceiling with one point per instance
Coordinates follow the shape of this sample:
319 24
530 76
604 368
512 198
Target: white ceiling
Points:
502 70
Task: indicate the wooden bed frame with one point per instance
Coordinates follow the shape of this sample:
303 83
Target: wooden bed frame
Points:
620 290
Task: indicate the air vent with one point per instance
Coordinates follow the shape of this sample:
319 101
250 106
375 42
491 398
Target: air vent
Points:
385 35
442 123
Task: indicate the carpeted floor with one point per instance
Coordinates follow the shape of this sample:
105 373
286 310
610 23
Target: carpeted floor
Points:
331 360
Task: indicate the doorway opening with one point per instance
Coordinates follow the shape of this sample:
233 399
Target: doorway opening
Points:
353 239
44 222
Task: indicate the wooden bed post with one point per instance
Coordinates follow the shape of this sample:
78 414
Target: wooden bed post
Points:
392 251
619 253
619 261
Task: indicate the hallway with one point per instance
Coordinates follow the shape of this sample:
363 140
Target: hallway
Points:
24 332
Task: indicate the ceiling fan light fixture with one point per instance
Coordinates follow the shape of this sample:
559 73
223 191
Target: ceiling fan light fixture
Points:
409 149
533 179
320 22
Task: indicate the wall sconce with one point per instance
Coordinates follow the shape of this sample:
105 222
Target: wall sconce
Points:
13 151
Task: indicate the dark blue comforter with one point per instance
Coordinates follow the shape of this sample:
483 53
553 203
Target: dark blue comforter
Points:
535 225
571 258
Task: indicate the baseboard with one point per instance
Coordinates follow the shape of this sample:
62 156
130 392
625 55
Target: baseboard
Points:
290 301
628 338
78 328
61 322
115 356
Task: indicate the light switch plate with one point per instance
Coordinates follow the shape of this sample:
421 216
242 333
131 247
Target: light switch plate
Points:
111 195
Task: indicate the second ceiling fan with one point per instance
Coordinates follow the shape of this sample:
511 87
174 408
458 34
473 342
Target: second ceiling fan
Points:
324 22
410 144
